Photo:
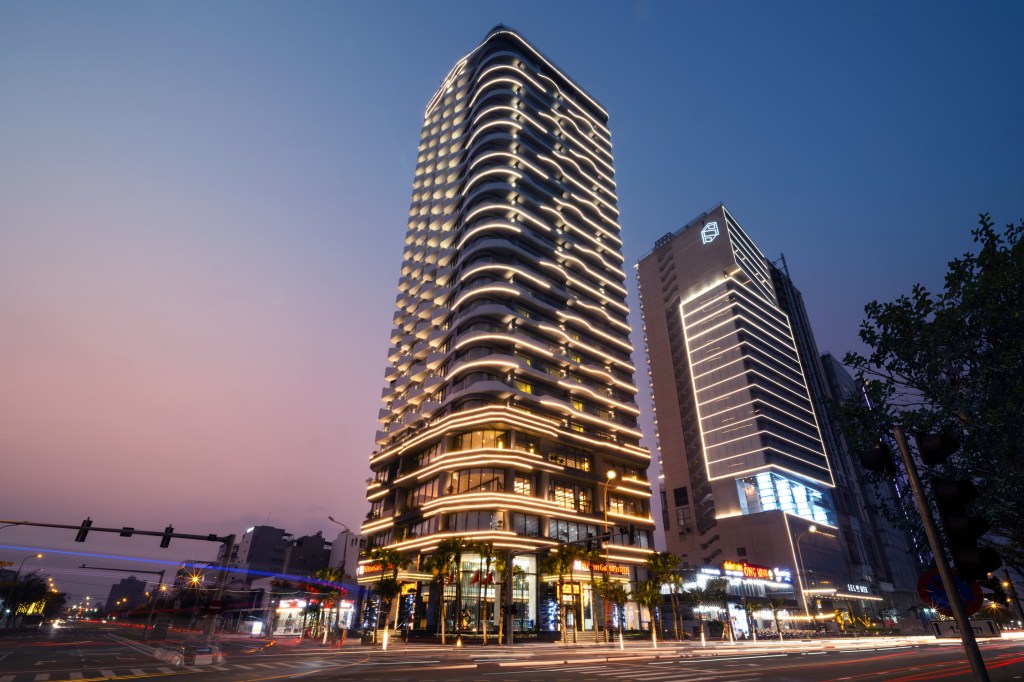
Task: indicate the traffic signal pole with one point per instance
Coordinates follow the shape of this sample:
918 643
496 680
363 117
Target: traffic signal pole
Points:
956 605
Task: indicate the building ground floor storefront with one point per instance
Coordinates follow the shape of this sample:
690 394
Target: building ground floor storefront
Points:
304 617
747 601
471 598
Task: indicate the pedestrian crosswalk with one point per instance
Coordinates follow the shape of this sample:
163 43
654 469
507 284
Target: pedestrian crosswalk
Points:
637 673
97 674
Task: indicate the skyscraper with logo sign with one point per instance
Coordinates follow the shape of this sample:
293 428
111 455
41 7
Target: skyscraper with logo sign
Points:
509 413
747 475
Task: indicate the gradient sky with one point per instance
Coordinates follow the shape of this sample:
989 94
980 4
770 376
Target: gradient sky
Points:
203 204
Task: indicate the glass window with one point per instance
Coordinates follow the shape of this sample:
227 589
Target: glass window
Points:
480 479
576 458
572 496
526 524
473 520
480 439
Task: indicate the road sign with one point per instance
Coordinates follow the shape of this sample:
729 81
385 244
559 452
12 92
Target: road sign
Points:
931 591
982 628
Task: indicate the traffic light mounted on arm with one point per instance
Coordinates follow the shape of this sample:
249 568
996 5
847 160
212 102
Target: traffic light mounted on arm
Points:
880 460
84 530
951 499
168 534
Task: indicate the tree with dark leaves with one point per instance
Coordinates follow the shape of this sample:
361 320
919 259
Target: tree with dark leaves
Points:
952 361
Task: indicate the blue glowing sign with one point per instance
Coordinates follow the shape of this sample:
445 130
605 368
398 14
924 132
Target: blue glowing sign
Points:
710 231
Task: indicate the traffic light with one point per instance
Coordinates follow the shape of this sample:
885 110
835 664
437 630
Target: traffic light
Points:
166 539
84 530
963 530
952 497
936 448
879 459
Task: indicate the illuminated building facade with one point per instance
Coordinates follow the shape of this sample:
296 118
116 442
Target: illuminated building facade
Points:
742 453
510 393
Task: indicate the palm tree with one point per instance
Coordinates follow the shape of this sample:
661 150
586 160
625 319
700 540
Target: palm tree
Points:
606 588
700 598
560 562
648 595
501 562
661 567
618 596
486 552
330 582
388 586
594 556
775 605
441 564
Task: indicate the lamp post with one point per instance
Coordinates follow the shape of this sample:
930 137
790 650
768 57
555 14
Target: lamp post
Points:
344 554
611 474
803 567
341 567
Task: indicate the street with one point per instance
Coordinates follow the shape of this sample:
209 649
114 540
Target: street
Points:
93 652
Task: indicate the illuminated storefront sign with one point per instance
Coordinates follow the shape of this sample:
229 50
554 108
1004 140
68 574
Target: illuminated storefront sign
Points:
584 566
736 569
857 588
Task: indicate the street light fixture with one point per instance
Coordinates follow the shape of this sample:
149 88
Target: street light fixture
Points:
22 565
611 474
344 554
803 567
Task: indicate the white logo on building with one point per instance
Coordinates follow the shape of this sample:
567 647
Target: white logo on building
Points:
710 231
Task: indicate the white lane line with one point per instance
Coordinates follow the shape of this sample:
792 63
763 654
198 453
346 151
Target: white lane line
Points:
42 677
108 673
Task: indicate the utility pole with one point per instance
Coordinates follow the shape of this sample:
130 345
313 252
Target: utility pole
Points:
222 577
974 658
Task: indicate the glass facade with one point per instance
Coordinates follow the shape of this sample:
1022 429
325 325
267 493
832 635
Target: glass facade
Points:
770 491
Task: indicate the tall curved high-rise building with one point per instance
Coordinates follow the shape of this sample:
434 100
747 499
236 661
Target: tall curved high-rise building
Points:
509 412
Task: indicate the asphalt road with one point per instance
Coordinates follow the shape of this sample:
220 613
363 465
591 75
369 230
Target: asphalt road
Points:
93 652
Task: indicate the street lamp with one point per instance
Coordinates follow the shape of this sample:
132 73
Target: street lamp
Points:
341 566
803 568
22 565
344 554
611 475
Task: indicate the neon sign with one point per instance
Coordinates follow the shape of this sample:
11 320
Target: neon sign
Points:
710 231
747 571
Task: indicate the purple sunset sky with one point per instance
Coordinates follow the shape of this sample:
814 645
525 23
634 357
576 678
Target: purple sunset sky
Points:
202 210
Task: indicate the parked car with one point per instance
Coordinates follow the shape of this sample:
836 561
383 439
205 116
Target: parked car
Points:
179 655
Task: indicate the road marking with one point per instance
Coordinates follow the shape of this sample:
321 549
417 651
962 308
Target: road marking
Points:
165 670
42 677
75 676
108 673
7 678
243 667
137 671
